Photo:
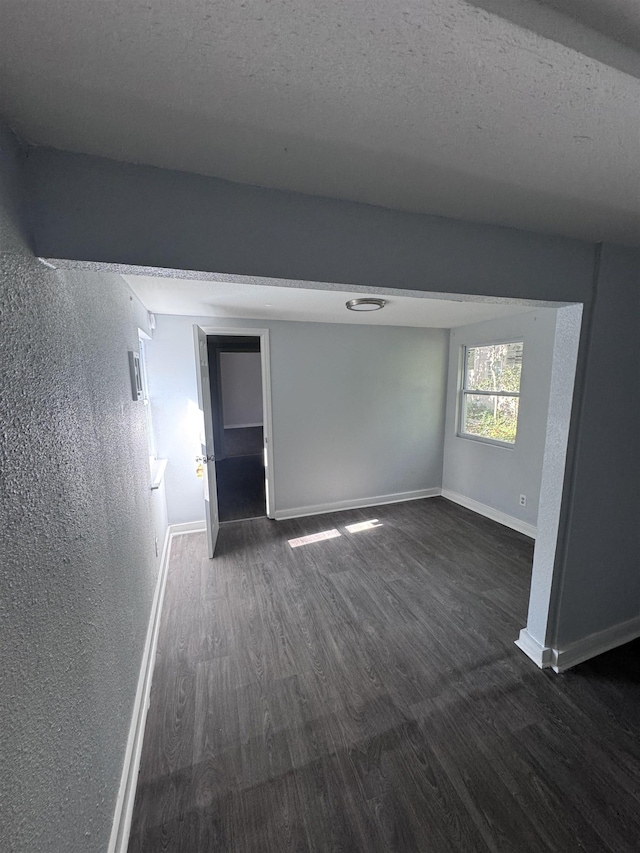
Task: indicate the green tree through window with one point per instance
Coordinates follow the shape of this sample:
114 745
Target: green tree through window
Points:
490 392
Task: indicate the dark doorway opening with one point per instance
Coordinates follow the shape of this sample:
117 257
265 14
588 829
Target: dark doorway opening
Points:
238 426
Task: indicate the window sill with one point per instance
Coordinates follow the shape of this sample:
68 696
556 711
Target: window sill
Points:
492 442
158 467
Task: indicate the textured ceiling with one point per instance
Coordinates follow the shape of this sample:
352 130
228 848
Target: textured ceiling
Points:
496 111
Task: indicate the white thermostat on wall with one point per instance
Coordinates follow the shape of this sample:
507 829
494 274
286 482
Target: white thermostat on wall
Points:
136 375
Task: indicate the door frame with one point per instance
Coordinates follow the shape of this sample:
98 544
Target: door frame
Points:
212 520
267 421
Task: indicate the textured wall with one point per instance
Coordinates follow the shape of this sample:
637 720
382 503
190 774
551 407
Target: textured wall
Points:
77 564
358 412
561 394
92 209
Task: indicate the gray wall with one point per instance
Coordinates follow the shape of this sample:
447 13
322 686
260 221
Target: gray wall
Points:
600 585
89 208
241 381
497 476
77 564
554 468
101 211
92 209
358 411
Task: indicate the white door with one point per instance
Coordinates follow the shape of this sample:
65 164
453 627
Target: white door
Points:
207 447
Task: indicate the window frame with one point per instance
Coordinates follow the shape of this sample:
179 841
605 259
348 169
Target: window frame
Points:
464 391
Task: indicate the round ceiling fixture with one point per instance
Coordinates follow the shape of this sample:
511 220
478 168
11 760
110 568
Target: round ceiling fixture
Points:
366 304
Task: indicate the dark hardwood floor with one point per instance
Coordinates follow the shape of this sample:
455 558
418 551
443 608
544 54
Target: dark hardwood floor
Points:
241 487
243 441
363 693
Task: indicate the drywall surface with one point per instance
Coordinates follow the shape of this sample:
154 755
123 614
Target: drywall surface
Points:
15 227
89 208
77 564
493 475
358 411
600 585
554 465
241 380
86 208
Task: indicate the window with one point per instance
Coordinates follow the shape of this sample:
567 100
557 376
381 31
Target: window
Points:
490 392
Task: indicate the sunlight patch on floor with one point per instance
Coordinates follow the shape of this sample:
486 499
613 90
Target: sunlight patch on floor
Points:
314 537
363 525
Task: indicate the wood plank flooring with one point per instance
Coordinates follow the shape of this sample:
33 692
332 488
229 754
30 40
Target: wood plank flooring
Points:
243 441
363 693
241 487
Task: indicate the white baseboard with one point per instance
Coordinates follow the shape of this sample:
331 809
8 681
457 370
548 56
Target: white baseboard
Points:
490 512
540 655
119 839
187 527
241 426
595 644
355 503
582 650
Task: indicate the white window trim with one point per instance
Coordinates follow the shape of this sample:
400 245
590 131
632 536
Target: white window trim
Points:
463 391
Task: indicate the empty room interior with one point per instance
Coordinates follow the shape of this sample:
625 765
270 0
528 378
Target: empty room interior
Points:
319 445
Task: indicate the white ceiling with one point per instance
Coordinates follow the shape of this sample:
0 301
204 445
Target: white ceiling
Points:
504 111
285 301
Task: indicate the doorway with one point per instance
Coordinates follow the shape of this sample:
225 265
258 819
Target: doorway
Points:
235 376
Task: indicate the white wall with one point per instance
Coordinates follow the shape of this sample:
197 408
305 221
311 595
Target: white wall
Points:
492 475
241 380
358 411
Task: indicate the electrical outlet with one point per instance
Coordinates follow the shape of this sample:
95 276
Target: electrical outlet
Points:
523 500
